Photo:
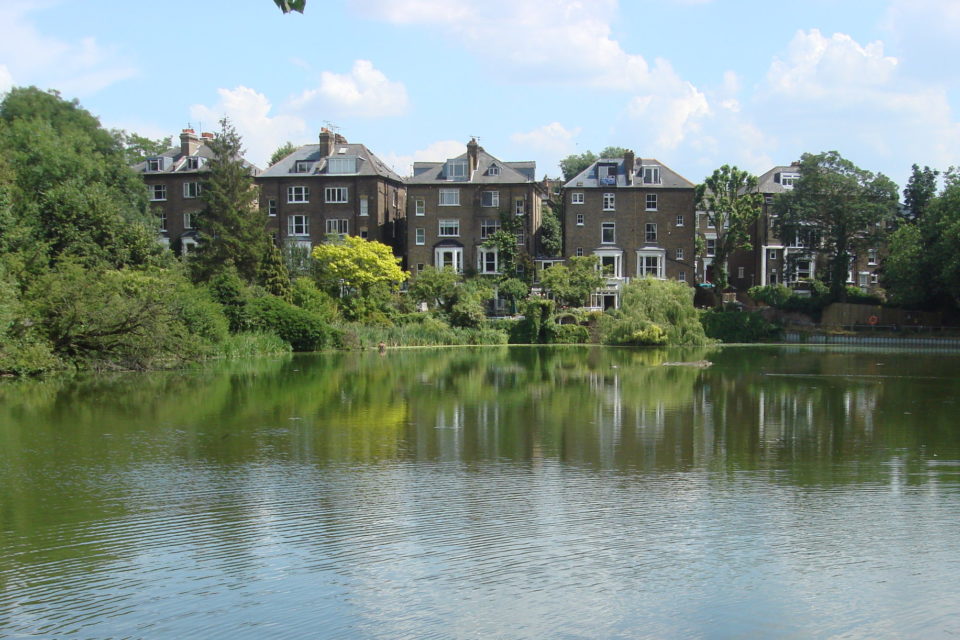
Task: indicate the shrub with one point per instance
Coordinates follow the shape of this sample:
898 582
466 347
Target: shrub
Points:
775 295
654 312
570 334
305 331
734 326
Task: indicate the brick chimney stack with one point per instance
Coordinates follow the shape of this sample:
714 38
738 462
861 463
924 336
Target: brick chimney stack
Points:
189 142
473 155
629 162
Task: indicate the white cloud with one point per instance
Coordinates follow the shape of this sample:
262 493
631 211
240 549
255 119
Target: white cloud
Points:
438 151
364 92
78 68
249 111
552 138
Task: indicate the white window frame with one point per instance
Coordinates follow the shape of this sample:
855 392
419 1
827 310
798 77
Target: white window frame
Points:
419 207
520 206
364 206
710 247
188 221
158 193
617 256
192 163
872 256
609 201
337 226
298 194
163 219
576 197
488 257
579 252
448 228
682 276
650 232
456 169
494 170
488 227
740 272
336 195
448 198
659 267
789 179
455 254
771 254
678 253
340 166
651 202
651 174
490 199
272 207
421 236
192 190
154 164
301 166
604 228
579 219
298 225
679 220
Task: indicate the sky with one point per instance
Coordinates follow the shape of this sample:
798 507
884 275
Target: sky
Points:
693 83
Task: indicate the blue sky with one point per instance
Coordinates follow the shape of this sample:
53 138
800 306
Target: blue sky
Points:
694 83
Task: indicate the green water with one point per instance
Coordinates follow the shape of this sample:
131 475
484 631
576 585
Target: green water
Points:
489 492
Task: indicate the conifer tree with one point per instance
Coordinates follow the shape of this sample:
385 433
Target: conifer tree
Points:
274 275
231 227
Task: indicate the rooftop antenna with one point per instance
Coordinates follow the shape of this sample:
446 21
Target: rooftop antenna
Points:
332 126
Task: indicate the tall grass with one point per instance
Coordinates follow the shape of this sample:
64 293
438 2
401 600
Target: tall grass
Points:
252 343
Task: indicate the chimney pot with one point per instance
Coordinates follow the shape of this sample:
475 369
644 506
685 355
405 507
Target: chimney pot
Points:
189 143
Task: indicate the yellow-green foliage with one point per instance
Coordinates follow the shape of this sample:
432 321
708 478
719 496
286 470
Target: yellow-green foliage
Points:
654 312
357 264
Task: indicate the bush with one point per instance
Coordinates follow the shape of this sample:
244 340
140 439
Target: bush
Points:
570 334
734 326
775 295
303 330
654 312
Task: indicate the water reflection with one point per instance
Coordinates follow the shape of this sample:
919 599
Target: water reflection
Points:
518 492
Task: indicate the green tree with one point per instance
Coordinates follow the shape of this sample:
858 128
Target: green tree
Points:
273 274
231 229
654 312
282 152
137 148
920 190
435 287
846 206
291 5
730 199
513 290
551 232
570 285
362 274
613 152
69 189
509 253
574 164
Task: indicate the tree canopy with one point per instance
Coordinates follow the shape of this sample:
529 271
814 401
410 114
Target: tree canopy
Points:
732 203
355 263
574 164
571 284
282 152
844 207
291 5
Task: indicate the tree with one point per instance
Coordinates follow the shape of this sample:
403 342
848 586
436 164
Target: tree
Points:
613 152
551 233
435 287
282 152
730 199
291 5
273 274
138 148
574 164
353 266
509 255
571 284
231 229
654 312
844 205
920 190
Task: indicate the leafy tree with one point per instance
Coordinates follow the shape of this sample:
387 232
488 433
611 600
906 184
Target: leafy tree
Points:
69 189
845 205
613 152
551 233
467 307
509 254
232 230
357 264
920 190
574 164
291 5
513 290
137 148
654 312
435 287
570 285
282 152
730 199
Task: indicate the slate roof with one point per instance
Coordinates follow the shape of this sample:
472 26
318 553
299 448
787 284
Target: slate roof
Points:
769 182
505 172
669 179
368 164
177 162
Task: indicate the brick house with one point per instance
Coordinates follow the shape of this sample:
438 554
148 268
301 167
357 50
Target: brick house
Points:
454 206
637 216
173 181
333 188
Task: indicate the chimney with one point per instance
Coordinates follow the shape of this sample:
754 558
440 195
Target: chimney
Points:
326 142
629 163
206 135
189 142
473 155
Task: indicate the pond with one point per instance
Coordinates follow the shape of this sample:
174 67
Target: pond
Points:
498 492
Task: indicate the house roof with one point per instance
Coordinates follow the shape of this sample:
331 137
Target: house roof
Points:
490 170
590 177
368 164
176 162
769 182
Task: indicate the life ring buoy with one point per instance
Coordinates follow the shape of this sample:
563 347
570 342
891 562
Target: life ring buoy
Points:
873 320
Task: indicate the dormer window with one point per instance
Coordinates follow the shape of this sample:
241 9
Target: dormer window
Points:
192 162
607 174
154 164
787 180
494 170
301 166
342 165
456 169
651 175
